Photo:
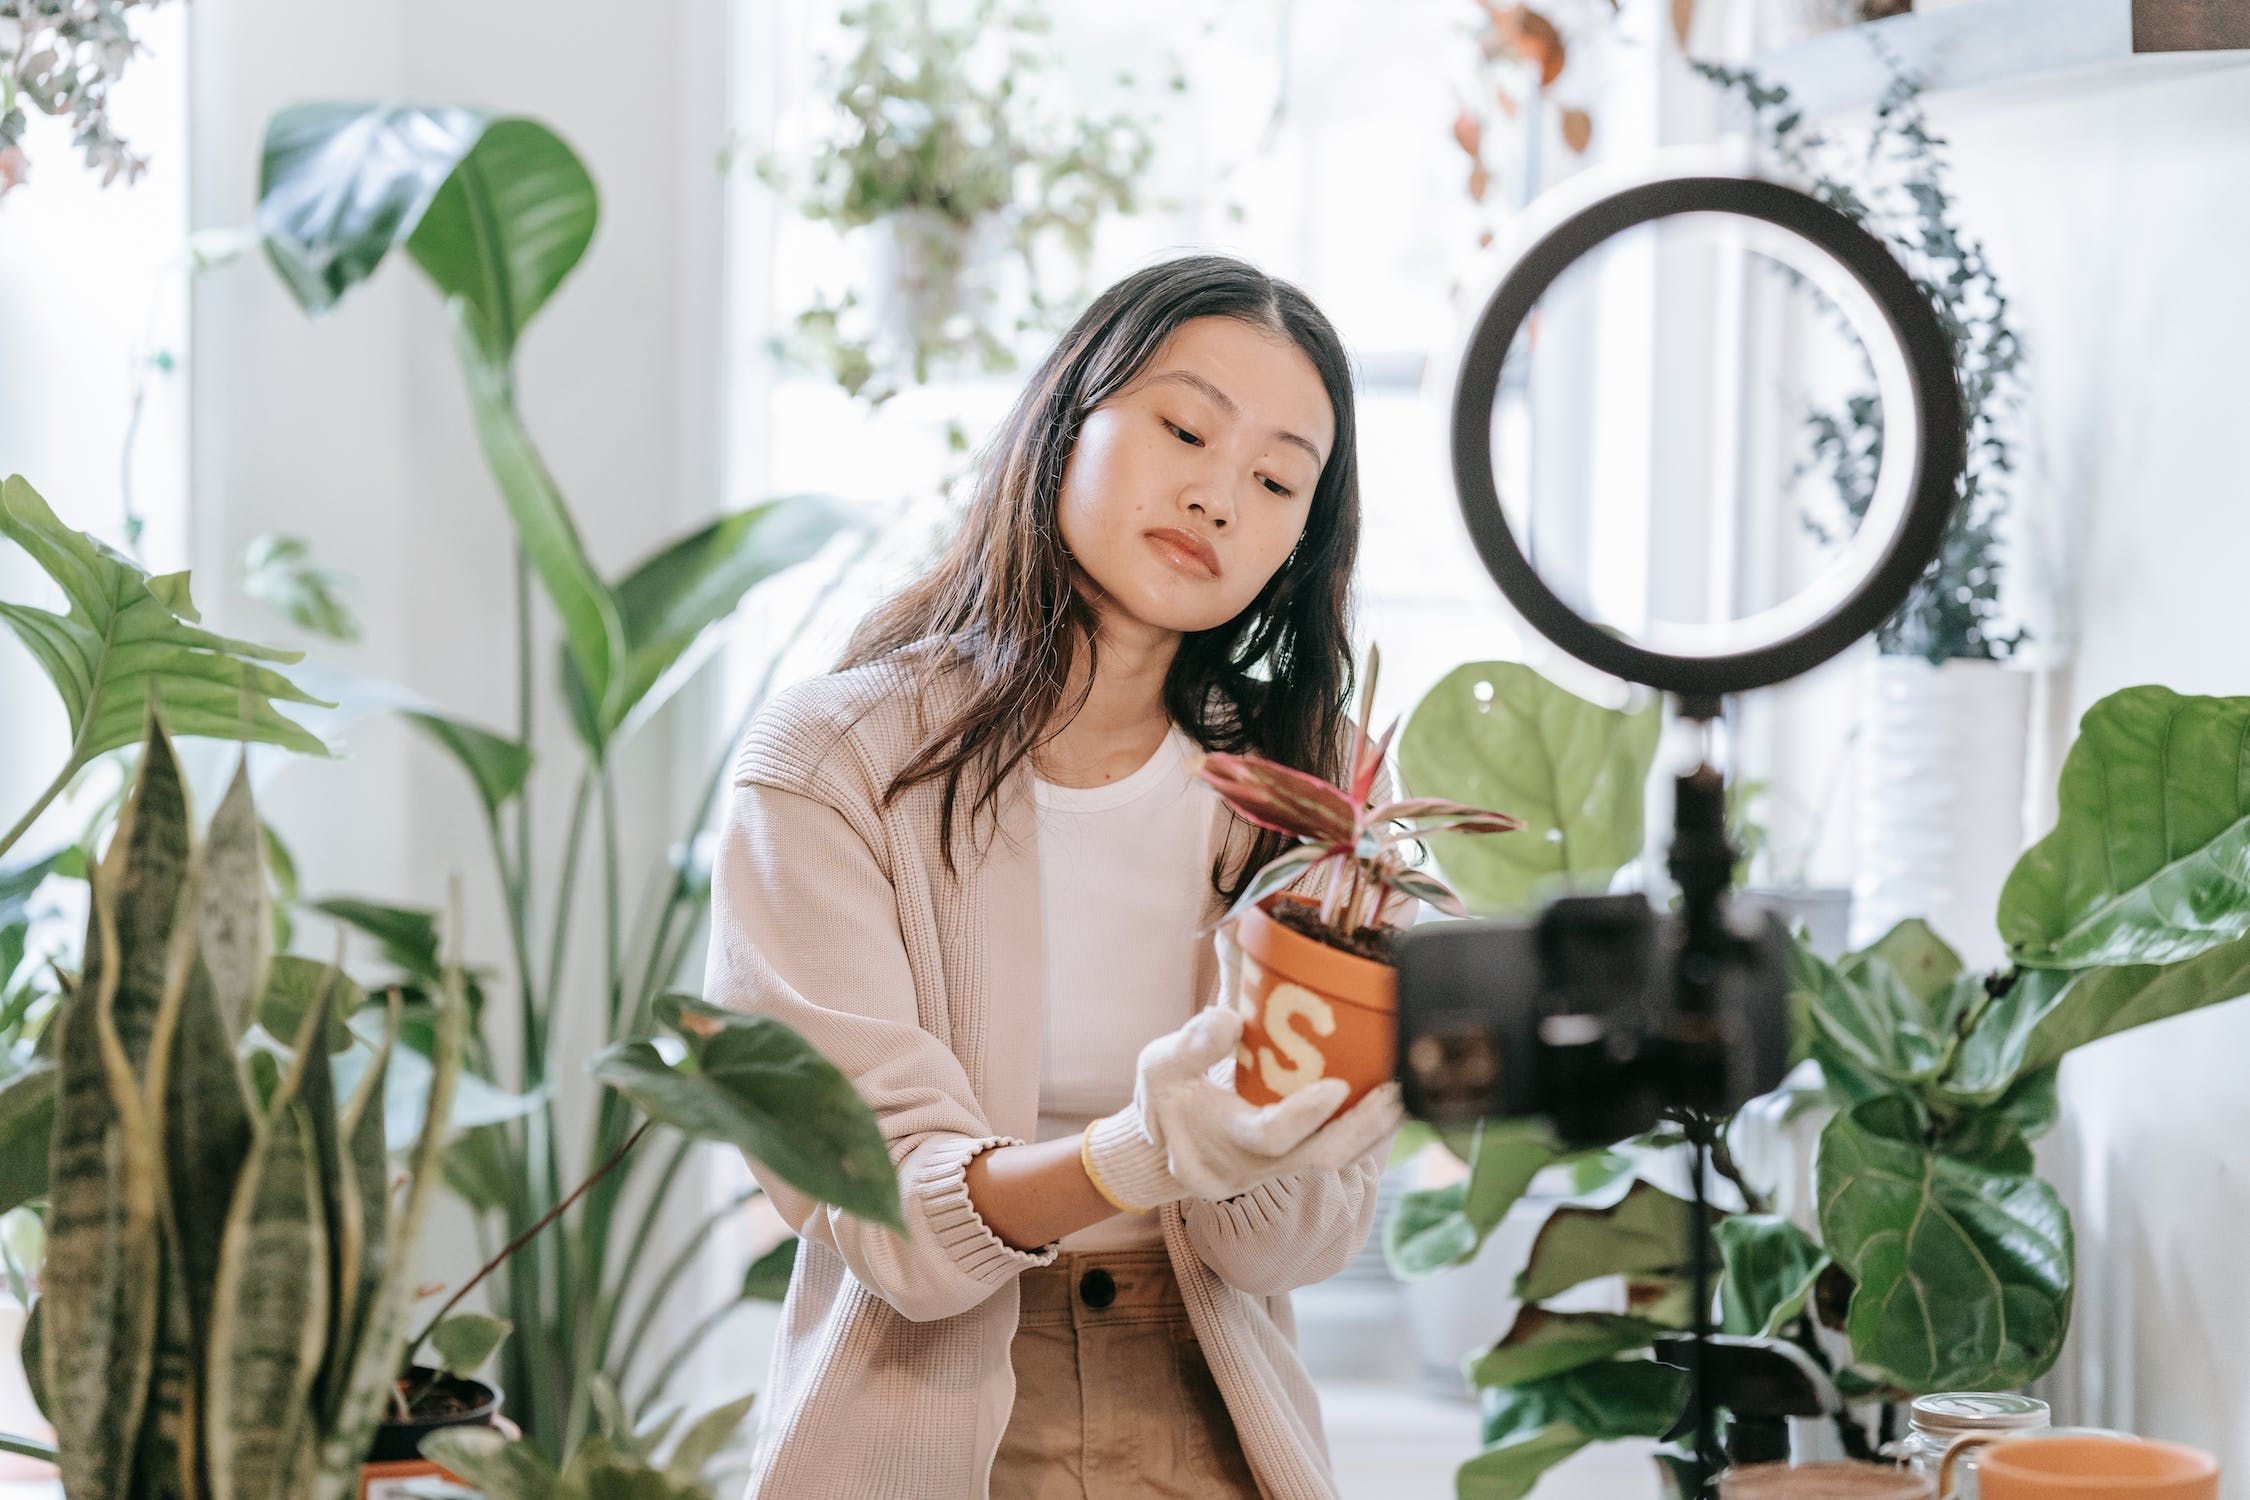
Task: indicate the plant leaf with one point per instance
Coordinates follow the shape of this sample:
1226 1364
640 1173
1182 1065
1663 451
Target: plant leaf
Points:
591 628
500 1467
1962 1258
408 935
506 226
382 1343
767 1280
1280 797
1541 1343
1499 735
668 605
126 633
27 1132
359 1224
1530 1428
2149 860
340 184
1434 1228
758 1086
1768 1268
497 767
294 984
1647 1229
279 572
2046 1013
708 1437
236 906
466 1340
270 1304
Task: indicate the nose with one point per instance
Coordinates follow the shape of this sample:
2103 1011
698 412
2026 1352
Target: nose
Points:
1209 502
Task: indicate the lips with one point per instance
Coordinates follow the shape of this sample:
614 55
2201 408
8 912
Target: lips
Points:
1185 548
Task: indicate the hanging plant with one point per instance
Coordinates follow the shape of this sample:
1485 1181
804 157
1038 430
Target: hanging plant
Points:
944 149
1521 69
61 57
1895 184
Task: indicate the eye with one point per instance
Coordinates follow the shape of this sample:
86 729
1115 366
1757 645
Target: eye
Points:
1282 490
1185 435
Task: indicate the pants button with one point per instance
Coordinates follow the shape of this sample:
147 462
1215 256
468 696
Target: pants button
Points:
1098 1288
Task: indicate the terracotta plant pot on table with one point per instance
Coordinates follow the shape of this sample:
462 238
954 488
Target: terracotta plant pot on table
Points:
1309 1011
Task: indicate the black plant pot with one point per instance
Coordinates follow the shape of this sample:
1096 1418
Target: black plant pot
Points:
447 1401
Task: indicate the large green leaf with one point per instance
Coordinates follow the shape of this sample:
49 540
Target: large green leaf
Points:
2045 1013
408 935
1541 1343
1646 1230
125 633
500 1468
2149 860
340 184
497 767
98 1314
1768 1268
754 1084
375 1361
358 1228
1530 1428
495 211
1869 1029
270 1318
592 631
767 1280
1433 1228
1962 1258
668 605
236 906
1497 734
507 225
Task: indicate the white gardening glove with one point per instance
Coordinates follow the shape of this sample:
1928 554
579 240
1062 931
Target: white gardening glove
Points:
1188 1134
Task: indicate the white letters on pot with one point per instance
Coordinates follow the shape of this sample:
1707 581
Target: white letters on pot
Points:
1289 1003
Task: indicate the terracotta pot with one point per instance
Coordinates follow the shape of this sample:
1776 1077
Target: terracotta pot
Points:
395 1457
1309 1011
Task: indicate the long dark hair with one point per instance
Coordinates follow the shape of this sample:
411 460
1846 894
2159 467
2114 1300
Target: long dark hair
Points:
1274 679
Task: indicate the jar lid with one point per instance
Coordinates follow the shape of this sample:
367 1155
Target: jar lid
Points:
1977 1411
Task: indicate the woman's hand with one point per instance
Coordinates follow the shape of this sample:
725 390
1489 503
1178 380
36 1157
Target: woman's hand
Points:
1188 1134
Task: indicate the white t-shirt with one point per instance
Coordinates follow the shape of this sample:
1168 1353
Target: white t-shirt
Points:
1123 873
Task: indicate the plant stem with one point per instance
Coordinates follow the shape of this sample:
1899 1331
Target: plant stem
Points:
684 1352
613 1299
613 920
54 790
26 1448
520 1240
674 1269
566 887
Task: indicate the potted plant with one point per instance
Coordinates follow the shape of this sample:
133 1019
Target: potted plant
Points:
1938 800
1315 985
939 154
1937 1079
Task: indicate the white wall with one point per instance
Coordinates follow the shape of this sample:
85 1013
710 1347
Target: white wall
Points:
2116 217
353 431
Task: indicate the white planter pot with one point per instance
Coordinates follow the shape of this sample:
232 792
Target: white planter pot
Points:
1939 820
926 271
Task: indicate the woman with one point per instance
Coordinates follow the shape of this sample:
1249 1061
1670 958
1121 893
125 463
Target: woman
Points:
1093 1298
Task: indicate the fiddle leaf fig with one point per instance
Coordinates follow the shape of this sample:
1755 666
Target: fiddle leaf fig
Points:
1497 734
1530 1428
1647 1229
1962 1257
1434 1228
2149 860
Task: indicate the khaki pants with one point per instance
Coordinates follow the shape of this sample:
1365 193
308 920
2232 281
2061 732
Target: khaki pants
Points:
1113 1397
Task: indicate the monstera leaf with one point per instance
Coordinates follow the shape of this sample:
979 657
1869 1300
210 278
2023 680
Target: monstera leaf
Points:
1962 1257
2149 861
126 637
1497 734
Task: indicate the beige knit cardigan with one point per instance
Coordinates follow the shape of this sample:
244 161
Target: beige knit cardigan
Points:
891 1377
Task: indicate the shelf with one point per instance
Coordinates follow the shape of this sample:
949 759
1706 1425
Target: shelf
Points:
2012 49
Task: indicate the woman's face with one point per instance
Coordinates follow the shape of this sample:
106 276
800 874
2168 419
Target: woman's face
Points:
1188 487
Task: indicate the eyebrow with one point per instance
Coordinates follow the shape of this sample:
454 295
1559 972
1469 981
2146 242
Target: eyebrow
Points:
1225 403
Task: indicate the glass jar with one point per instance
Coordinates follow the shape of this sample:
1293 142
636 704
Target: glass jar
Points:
1935 1423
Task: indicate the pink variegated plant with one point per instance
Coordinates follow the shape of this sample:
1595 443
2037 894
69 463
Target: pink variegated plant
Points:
1338 825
